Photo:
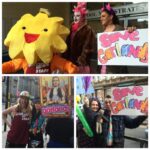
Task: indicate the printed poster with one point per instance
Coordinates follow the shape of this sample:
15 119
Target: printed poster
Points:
56 96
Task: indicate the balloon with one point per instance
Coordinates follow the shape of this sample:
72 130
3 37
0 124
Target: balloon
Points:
84 122
86 83
78 99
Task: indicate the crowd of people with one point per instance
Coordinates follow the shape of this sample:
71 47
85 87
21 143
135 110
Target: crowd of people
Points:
28 126
108 129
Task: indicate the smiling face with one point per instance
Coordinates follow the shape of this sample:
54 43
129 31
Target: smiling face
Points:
36 38
105 18
24 101
94 106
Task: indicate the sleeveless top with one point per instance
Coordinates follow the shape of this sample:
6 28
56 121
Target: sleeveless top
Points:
19 131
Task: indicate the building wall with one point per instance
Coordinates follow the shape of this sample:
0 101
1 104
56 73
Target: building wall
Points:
11 12
16 10
18 84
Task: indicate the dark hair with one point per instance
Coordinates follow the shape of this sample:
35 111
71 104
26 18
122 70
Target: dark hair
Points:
95 99
35 114
115 19
108 96
59 93
54 78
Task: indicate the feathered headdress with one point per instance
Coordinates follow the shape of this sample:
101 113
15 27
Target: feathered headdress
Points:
81 7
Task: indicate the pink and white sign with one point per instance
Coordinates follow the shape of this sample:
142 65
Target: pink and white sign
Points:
56 110
123 48
132 100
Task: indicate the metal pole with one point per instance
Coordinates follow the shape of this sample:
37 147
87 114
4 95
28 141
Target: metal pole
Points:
7 99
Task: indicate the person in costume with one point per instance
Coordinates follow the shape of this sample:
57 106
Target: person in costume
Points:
81 40
110 23
37 126
35 44
18 134
56 94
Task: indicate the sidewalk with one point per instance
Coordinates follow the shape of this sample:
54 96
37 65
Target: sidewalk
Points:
4 136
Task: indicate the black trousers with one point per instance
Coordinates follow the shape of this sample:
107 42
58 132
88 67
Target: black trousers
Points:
12 145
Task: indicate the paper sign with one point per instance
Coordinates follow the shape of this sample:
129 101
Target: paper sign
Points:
56 110
123 48
132 100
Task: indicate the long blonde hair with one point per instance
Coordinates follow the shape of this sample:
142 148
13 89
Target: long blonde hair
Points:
28 109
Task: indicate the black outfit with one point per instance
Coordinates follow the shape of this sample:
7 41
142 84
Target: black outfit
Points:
58 91
119 124
11 145
37 137
60 131
36 140
84 141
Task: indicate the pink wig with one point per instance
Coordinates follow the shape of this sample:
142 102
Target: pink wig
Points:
109 9
81 7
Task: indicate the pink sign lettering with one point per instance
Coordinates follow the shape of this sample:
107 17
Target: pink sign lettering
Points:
129 98
132 48
107 39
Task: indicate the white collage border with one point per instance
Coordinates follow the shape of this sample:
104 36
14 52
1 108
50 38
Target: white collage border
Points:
74 75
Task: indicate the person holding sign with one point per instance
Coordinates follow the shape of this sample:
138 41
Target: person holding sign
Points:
110 23
81 40
113 130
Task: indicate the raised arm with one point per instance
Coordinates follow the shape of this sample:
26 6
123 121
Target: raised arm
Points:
133 122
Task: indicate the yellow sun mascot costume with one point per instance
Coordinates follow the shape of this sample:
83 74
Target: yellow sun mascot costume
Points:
35 44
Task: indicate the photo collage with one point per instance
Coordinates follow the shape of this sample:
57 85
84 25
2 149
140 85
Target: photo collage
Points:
74 74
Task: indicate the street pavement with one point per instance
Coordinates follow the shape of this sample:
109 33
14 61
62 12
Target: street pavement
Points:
137 133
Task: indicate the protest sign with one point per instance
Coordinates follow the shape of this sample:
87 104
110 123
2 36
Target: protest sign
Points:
123 48
131 100
55 95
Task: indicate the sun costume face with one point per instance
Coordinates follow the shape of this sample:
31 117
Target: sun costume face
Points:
36 39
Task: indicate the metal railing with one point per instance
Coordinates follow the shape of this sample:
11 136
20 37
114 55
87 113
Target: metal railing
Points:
143 142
